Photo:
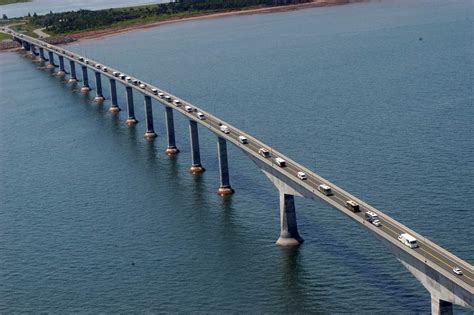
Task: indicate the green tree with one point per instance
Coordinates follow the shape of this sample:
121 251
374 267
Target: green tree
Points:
5 17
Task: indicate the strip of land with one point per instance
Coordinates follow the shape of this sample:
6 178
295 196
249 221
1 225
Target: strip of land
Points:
138 24
122 29
5 2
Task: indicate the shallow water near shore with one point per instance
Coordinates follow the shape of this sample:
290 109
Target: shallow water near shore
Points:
375 97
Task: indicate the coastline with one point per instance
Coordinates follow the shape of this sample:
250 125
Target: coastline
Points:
96 34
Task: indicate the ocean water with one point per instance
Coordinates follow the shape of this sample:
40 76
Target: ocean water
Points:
44 6
376 97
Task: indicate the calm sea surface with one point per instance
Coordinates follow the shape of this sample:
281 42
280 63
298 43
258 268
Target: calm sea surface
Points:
375 97
44 6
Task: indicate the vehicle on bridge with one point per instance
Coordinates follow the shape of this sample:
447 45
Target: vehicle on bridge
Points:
201 116
325 189
302 176
155 91
457 271
353 206
225 129
177 102
189 109
408 240
373 218
243 140
280 162
264 152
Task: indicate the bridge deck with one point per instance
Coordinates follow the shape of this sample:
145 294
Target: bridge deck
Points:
427 252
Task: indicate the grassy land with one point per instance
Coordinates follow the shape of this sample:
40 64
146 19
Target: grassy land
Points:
25 29
4 2
138 21
4 36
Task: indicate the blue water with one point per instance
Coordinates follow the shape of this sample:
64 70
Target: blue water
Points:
375 97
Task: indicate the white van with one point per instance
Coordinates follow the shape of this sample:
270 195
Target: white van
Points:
243 140
201 116
189 109
408 240
325 189
264 152
280 162
225 129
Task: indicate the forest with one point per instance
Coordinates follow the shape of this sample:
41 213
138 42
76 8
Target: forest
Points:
74 21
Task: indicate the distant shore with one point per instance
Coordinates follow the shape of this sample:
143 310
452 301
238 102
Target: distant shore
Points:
95 34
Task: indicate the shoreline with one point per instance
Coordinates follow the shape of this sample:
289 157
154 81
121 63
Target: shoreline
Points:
96 34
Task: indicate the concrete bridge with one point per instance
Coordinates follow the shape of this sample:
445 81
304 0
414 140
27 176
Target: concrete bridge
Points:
429 263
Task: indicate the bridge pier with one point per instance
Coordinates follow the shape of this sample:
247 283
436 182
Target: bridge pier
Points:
72 66
32 51
131 120
196 166
440 307
61 71
99 97
41 54
224 188
85 80
51 60
150 130
171 149
113 92
289 235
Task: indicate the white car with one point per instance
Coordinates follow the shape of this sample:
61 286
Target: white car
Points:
142 86
177 102
161 95
225 129
201 116
243 140
168 98
128 79
155 91
302 175
457 271
188 108
98 66
105 69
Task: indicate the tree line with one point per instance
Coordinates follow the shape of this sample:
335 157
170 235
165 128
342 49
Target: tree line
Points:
72 21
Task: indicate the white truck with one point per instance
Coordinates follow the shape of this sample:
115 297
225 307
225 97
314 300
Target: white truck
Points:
408 240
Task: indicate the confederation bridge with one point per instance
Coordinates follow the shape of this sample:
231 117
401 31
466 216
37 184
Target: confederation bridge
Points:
432 265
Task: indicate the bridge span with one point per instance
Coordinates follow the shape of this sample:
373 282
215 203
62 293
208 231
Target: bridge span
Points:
429 263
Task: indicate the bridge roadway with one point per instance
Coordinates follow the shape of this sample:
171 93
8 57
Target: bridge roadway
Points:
429 253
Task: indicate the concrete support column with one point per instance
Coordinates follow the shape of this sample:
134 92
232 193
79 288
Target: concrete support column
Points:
51 60
131 120
440 307
196 166
61 71
171 149
99 98
224 188
150 131
289 235
72 66
32 50
85 80
41 53
113 93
